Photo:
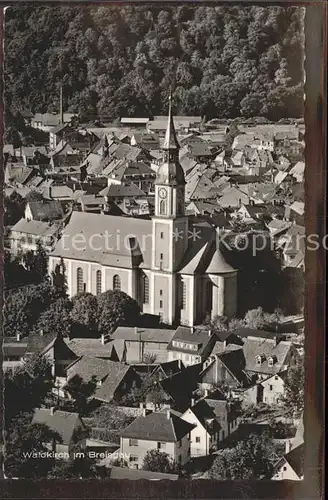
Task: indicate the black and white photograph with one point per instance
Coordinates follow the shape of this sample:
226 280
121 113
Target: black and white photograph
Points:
154 241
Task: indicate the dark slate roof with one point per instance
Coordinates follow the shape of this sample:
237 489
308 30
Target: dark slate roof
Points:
14 349
205 413
118 371
87 367
46 210
295 458
63 422
219 408
157 426
266 348
128 473
234 361
161 335
37 343
190 335
188 379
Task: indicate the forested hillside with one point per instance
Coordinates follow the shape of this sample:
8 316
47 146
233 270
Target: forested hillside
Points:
114 60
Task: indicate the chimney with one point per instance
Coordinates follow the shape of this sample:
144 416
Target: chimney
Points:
52 410
168 414
179 363
209 333
18 337
192 402
192 330
205 393
41 332
102 339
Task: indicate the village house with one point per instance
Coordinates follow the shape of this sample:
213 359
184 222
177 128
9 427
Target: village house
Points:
68 425
103 347
204 437
43 210
53 348
164 431
265 356
47 121
113 379
26 234
13 352
291 466
227 368
273 389
140 341
224 413
191 345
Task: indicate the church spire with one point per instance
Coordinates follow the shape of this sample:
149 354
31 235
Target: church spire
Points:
170 142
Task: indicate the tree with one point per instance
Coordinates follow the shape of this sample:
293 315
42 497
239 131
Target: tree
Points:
225 63
260 320
14 206
33 378
56 319
158 461
80 391
116 308
34 196
294 387
24 306
84 314
24 441
250 459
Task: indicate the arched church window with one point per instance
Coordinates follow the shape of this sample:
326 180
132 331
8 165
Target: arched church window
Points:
79 280
145 289
116 282
98 282
183 295
162 207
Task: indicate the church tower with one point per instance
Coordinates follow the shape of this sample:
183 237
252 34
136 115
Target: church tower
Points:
170 224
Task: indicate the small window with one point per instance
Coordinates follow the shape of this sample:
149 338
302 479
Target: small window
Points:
161 292
133 442
160 304
161 256
162 235
29 239
133 458
284 467
197 439
161 445
271 387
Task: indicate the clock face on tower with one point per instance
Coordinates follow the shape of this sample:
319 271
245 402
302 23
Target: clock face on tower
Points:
162 193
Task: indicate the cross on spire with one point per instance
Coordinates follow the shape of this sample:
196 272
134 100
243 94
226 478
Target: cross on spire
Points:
170 142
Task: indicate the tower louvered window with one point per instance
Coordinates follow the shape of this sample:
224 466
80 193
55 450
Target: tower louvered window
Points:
116 282
98 282
79 280
145 290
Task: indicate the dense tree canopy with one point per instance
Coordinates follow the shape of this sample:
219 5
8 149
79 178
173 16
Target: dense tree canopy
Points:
119 60
250 459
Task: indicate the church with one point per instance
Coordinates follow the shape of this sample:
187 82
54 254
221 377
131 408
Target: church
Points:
171 264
